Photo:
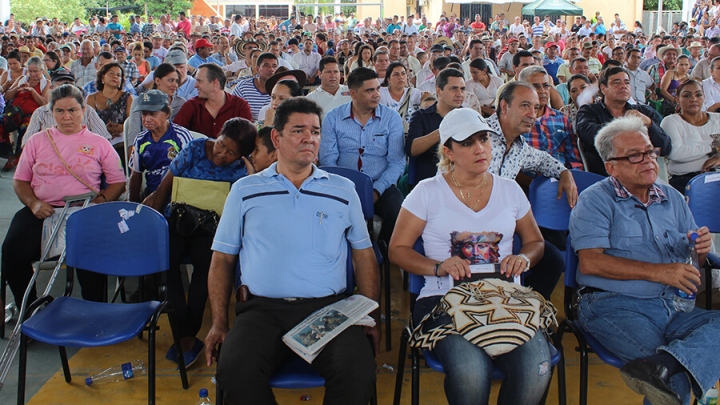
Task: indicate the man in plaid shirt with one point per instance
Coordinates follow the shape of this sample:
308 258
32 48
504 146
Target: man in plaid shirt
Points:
131 72
552 132
667 56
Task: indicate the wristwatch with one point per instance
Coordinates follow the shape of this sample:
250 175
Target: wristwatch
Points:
527 262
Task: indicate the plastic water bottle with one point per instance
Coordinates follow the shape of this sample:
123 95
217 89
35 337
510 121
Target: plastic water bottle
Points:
204 400
122 372
683 301
710 397
11 311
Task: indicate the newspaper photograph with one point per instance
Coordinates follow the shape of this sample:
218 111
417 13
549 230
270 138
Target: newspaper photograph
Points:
310 336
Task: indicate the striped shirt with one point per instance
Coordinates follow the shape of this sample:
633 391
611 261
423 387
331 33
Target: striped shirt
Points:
537 30
83 74
248 91
43 119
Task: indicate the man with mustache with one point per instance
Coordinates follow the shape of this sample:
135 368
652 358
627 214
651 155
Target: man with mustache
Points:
615 87
515 116
367 136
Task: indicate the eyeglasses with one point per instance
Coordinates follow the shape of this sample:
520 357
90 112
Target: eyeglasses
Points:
639 157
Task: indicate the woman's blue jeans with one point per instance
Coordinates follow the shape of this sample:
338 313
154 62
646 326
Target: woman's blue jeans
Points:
468 368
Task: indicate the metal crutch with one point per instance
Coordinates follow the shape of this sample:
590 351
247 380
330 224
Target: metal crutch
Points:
14 340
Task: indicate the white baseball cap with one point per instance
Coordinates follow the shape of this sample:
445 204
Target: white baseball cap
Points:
461 123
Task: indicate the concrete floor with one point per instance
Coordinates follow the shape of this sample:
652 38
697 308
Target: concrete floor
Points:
46 384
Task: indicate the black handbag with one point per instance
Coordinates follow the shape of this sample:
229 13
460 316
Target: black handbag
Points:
12 117
187 220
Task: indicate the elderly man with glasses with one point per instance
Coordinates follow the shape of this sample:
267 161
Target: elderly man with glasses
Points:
634 236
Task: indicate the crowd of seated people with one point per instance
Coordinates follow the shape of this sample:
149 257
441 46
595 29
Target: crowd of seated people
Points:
450 121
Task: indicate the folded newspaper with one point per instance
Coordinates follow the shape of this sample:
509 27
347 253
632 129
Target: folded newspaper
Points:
310 336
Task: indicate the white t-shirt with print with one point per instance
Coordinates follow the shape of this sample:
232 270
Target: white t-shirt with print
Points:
415 100
433 201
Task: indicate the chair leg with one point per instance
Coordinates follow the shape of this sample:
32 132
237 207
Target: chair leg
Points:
151 364
219 400
22 370
404 337
178 349
388 311
583 375
562 390
708 287
415 399
3 299
65 365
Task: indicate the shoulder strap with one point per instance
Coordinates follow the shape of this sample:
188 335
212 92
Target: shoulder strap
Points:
405 104
52 142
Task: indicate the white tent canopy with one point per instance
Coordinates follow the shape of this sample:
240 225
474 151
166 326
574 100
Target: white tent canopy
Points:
487 1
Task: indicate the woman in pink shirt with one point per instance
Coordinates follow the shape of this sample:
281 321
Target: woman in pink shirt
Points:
42 180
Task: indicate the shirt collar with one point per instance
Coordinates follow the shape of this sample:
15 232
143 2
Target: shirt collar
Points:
317 173
350 114
655 194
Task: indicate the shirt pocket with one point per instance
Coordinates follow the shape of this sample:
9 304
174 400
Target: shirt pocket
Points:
626 235
377 146
328 231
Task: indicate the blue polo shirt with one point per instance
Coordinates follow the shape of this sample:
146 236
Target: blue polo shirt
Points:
153 158
196 61
292 242
610 218
380 140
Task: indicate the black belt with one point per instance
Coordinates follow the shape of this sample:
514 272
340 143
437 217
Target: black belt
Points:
588 290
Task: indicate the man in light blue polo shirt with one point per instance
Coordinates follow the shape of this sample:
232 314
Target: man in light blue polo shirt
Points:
367 136
631 235
290 225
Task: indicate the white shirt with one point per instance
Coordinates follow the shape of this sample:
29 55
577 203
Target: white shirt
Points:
328 101
712 92
485 95
690 143
516 29
428 86
236 29
160 53
415 100
409 29
308 63
448 221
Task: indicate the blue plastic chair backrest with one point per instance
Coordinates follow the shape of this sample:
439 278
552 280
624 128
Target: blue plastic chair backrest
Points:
416 283
349 274
702 195
363 187
571 264
99 239
550 212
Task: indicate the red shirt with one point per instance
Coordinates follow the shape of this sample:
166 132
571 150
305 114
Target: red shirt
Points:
478 26
195 117
185 26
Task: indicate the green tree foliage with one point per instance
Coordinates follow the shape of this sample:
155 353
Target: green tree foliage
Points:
652 5
65 10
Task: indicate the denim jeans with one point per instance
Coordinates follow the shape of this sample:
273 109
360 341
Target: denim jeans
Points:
634 328
468 368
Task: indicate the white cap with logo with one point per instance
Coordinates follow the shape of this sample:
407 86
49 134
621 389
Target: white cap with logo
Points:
461 123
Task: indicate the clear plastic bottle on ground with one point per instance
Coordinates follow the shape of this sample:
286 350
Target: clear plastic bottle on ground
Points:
204 400
683 301
710 397
122 372
11 311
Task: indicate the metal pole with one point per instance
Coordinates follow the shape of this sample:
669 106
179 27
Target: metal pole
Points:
660 9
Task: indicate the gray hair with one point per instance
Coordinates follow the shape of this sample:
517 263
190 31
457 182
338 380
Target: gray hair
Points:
605 138
525 74
66 91
37 61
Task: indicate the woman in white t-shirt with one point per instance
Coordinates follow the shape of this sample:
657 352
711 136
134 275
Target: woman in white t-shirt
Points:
465 215
396 94
691 131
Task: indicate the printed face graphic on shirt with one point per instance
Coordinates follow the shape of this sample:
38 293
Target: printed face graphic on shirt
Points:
477 247
86 150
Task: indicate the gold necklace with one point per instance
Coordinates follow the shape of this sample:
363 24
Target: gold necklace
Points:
481 186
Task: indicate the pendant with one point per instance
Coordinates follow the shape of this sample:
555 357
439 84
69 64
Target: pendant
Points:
109 102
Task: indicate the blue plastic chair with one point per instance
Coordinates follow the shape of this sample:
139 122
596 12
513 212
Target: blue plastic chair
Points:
364 188
296 373
96 242
550 212
415 284
702 198
586 342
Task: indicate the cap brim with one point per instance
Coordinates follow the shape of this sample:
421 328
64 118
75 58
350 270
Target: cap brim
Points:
147 108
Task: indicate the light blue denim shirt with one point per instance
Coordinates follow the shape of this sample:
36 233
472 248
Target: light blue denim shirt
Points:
292 242
381 141
625 227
